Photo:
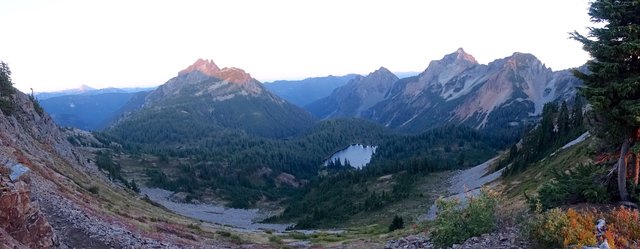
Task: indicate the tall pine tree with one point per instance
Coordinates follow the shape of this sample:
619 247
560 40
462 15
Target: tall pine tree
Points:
612 84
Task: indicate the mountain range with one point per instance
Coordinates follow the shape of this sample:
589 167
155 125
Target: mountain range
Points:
87 90
213 132
501 97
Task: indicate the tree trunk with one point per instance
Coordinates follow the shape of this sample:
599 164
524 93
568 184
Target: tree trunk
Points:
622 170
636 172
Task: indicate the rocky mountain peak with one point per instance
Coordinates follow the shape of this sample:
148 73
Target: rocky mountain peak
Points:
235 75
207 67
459 56
524 60
382 71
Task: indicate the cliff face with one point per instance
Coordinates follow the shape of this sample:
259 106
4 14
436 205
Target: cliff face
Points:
29 141
22 224
50 204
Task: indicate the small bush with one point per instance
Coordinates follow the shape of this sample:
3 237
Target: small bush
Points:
194 226
94 190
572 229
6 106
236 239
396 224
299 236
580 229
547 228
36 105
551 194
455 224
275 239
580 184
148 200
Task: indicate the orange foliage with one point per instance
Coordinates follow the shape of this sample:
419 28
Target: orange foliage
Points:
624 226
580 229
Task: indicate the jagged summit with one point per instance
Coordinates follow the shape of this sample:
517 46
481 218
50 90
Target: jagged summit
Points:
207 67
459 56
381 71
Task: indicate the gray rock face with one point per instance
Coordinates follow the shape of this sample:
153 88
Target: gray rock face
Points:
31 139
506 92
501 96
358 95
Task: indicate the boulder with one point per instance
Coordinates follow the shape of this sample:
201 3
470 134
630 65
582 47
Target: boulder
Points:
21 219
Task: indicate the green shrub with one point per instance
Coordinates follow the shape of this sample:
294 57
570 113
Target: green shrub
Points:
547 228
6 106
396 224
275 239
94 190
224 233
552 194
36 105
583 183
455 224
194 226
573 229
299 236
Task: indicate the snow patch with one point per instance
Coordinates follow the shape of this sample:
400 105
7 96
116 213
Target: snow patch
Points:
578 140
581 138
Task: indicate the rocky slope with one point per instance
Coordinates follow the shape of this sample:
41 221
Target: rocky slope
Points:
457 89
213 99
358 95
63 200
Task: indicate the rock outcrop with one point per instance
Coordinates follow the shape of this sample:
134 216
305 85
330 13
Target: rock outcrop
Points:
21 222
506 238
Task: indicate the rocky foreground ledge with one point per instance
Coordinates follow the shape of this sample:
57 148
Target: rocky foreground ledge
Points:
506 238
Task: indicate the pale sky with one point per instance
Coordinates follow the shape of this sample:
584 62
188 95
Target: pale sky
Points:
54 45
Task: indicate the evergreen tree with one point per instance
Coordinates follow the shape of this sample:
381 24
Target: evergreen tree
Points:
6 86
563 122
6 89
397 223
612 84
577 116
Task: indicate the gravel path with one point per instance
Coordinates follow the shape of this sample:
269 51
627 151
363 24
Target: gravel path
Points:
244 219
